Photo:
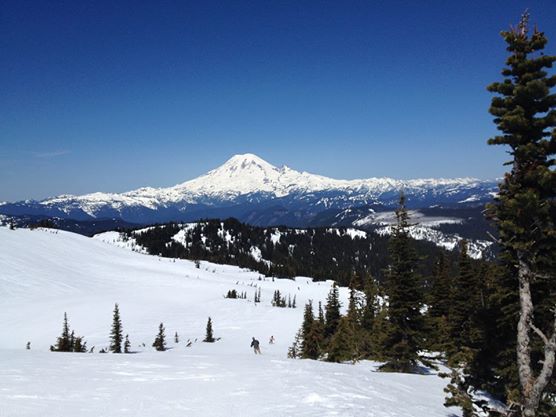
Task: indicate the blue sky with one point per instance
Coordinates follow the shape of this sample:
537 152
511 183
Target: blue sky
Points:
111 96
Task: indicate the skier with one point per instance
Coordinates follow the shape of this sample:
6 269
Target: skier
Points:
255 346
271 341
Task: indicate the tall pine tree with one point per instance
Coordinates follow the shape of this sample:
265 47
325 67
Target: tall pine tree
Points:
405 322
465 301
209 336
64 342
343 345
525 208
332 312
116 334
369 314
310 334
440 301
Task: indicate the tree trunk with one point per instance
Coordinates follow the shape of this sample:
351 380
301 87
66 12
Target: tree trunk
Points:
532 387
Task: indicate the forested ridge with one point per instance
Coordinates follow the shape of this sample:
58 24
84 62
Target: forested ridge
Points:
321 253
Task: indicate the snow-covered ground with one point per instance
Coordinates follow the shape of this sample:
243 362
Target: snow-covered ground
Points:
425 227
44 273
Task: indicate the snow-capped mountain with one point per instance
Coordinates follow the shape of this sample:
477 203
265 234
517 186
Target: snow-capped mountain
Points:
251 189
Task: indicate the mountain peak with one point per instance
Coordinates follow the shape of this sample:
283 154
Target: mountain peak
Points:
245 161
241 174
254 179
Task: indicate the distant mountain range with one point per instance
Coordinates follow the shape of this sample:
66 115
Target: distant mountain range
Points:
249 188
252 190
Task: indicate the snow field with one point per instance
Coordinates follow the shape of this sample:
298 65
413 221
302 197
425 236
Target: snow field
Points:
44 273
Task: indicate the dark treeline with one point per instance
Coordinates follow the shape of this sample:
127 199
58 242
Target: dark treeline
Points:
321 253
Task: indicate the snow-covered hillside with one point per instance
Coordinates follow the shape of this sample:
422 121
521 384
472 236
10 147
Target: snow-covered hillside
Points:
426 228
44 273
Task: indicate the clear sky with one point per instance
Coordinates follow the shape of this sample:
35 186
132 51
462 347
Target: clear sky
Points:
111 96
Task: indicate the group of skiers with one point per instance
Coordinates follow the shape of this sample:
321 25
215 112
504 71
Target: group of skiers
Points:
256 345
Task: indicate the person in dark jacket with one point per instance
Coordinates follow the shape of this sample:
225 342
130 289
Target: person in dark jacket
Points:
255 345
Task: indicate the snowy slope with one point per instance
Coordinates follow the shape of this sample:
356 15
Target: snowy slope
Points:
44 273
249 179
425 228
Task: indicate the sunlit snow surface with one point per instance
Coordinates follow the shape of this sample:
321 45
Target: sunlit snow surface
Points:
44 273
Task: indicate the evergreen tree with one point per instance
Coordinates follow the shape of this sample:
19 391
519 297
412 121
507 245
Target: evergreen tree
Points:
64 343
466 304
127 345
471 360
525 208
354 304
343 345
332 312
67 341
310 335
459 394
294 351
354 314
314 343
370 311
160 340
79 345
72 340
439 300
116 336
379 337
308 319
257 298
404 338
320 317
441 291
370 305
209 338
